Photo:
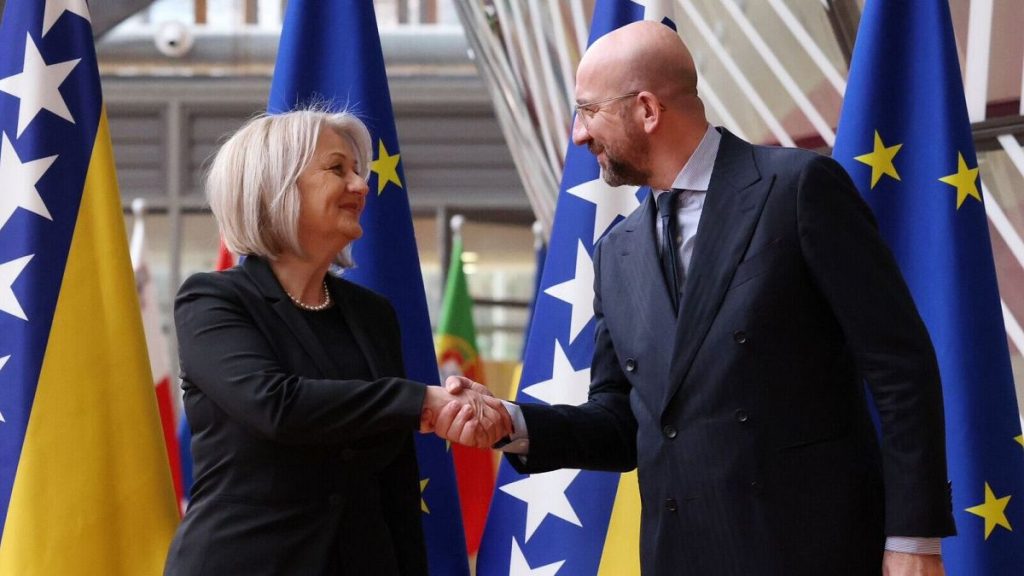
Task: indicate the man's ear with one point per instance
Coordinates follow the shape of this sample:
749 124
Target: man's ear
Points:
651 109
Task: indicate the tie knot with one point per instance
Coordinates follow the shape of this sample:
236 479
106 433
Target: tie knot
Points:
667 202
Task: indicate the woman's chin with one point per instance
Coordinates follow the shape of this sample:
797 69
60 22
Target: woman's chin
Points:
352 233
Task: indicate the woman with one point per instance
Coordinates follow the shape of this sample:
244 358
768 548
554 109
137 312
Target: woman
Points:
301 422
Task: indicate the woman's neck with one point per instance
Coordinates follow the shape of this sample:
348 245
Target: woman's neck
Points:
302 279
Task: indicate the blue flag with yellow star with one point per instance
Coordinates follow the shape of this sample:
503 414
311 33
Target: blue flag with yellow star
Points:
330 53
905 139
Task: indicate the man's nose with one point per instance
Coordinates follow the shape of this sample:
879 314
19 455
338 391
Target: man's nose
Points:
580 135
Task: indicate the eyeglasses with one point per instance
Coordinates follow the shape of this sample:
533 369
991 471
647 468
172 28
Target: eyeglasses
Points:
588 110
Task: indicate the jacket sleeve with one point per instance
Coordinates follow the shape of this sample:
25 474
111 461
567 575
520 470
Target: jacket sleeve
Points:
597 435
227 357
859 277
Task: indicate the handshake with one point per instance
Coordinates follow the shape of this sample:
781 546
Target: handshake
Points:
465 412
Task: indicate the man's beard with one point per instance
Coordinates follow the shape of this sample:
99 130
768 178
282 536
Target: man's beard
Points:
618 171
622 173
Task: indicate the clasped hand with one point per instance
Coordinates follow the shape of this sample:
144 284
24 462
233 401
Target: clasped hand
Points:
465 412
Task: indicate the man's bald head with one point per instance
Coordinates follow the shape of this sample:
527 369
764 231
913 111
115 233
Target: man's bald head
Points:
641 56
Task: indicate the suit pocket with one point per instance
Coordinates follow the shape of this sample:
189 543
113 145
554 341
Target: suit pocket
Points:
761 261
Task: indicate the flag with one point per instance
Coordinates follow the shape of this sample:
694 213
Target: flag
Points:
224 261
156 343
905 139
330 52
457 354
570 521
84 481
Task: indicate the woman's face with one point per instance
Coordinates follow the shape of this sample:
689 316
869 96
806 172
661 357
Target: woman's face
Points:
332 196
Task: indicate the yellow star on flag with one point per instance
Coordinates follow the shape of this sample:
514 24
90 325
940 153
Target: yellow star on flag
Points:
423 503
965 181
993 510
880 160
1020 439
386 167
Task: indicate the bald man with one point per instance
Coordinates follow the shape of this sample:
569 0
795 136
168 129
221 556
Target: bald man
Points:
731 373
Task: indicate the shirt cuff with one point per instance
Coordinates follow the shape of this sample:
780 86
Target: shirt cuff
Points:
519 441
913 545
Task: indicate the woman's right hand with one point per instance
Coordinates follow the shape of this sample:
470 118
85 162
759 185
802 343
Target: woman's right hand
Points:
465 412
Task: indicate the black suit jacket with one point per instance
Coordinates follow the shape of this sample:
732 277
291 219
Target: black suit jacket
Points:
297 470
749 426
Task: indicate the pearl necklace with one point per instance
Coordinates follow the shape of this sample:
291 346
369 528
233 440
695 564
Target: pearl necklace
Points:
312 307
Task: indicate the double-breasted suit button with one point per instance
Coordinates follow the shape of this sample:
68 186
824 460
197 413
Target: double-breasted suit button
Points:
740 337
741 415
756 486
347 454
630 365
669 432
670 505
334 500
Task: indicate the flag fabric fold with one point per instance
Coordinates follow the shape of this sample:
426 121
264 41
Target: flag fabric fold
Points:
330 54
570 521
905 138
85 486
457 354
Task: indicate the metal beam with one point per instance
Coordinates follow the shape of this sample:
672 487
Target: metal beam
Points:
844 17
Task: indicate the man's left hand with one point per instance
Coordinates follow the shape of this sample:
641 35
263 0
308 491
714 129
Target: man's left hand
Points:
906 564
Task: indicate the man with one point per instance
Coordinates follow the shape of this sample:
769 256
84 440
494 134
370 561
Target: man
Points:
730 372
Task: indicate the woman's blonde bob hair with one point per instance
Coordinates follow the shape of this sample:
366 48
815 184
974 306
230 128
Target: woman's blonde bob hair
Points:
252 183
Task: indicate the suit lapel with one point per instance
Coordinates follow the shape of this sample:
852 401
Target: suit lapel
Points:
639 247
261 274
733 204
643 301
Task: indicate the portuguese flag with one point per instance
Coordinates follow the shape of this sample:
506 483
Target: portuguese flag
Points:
457 355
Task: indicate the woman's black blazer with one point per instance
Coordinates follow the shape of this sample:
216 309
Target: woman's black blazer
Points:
298 470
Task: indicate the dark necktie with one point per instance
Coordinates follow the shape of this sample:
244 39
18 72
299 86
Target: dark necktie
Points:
669 255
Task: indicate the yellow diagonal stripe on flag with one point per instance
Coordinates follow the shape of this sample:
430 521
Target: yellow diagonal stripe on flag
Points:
620 554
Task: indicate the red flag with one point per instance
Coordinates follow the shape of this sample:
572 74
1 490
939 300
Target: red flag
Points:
225 259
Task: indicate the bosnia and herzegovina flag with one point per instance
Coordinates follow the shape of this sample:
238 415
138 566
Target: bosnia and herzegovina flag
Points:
330 53
570 521
905 139
85 486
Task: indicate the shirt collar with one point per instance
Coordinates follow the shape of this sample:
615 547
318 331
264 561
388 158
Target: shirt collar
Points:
696 174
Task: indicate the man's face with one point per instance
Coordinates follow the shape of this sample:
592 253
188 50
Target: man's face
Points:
605 124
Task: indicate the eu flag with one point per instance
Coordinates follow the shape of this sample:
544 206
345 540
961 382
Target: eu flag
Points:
569 521
85 486
905 138
330 53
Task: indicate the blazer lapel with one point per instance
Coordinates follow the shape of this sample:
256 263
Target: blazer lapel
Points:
733 204
643 299
261 274
640 251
